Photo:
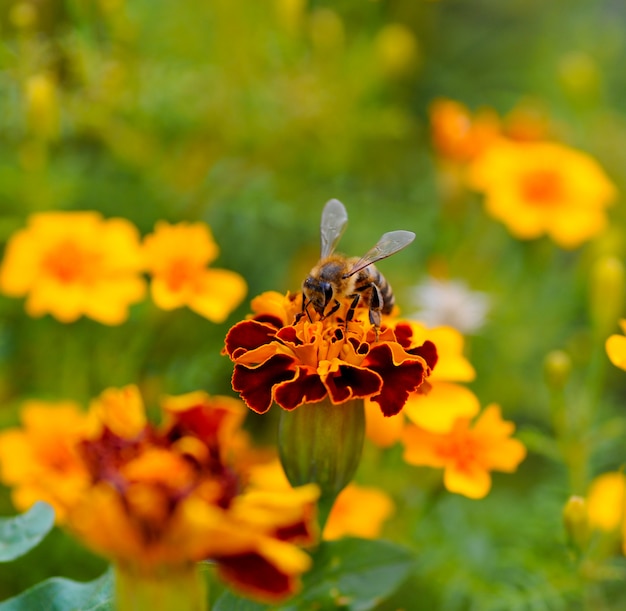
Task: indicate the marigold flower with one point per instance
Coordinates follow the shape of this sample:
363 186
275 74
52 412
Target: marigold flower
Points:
151 497
177 257
538 188
467 453
70 264
458 134
41 461
288 359
606 502
446 399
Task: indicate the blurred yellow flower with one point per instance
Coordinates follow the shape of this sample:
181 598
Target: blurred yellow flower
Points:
41 461
606 502
70 264
616 347
538 188
397 49
467 453
445 400
358 511
177 257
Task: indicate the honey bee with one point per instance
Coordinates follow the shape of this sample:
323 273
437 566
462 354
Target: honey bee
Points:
336 276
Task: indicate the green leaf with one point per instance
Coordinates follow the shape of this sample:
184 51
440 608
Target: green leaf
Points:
20 534
59 594
350 574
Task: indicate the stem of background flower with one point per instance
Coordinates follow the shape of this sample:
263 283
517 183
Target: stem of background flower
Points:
176 588
322 443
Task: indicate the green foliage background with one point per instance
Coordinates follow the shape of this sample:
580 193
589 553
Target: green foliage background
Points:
240 115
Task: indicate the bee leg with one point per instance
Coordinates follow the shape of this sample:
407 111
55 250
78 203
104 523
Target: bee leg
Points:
353 305
376 306
305 308
336 306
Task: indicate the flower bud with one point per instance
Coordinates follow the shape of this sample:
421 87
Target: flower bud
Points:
42 106
557 368
397 50
576 522
321 443
607 294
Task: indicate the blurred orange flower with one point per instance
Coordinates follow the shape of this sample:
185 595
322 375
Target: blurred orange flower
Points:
467 453
616 347
446 399
459 135
151 496
606 502
177 257
70 264
538 188
41 461
280 357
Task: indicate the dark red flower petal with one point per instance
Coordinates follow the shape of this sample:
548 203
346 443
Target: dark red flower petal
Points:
428 351
398 380
256 384
305 387
247 335
254 575
349 382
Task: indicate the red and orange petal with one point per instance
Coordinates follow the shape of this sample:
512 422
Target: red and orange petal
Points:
306 362
73 264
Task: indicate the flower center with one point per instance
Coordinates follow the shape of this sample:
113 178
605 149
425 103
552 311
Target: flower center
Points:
70 263
180 273
542 187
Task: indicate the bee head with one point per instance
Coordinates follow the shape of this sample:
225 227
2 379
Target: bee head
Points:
319 293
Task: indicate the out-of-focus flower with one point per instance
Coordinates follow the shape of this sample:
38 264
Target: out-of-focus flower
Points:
450 303
467 453
458 134
446 399
397 49
177 257
70 264
538 188
616 347
164 496
358 511
292 363
42 106
41 461
606 502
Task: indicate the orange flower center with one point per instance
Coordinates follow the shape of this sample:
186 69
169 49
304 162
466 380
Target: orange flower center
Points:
542 187
70 263
180 273
463 451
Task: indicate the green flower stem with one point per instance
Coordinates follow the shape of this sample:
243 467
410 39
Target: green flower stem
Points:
322 443
176 588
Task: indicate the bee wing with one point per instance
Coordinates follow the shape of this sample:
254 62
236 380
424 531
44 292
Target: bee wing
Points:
388 244
334 221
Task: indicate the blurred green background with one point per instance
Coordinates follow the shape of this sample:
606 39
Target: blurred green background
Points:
249 116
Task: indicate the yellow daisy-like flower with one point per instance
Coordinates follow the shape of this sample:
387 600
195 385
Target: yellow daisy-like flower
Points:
177 257
468 453
543 188
73 264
